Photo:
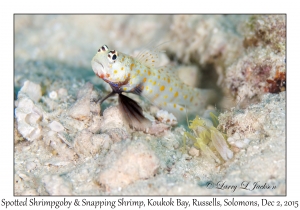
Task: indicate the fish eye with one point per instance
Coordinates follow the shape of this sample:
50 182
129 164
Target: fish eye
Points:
112 56
103 48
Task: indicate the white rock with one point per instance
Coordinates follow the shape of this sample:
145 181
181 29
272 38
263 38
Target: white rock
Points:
166 117
28 116
56 126
81 109
32 90
32 118
112 119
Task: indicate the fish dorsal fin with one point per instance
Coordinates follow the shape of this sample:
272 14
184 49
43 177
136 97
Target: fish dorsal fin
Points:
149 58
149 55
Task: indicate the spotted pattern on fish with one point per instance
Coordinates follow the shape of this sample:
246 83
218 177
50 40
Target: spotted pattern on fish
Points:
141 76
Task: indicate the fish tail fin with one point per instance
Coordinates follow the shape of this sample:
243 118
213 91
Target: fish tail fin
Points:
133 113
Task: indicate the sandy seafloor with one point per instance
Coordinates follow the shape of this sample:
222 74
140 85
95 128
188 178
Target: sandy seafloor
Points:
66 145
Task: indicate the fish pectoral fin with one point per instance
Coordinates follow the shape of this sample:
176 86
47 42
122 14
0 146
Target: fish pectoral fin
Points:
138 89
126 88
132 89
133 113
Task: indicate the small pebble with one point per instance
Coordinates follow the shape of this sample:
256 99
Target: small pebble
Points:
56 126
194 152
53 95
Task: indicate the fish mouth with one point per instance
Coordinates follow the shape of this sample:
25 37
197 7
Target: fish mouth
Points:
97 67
